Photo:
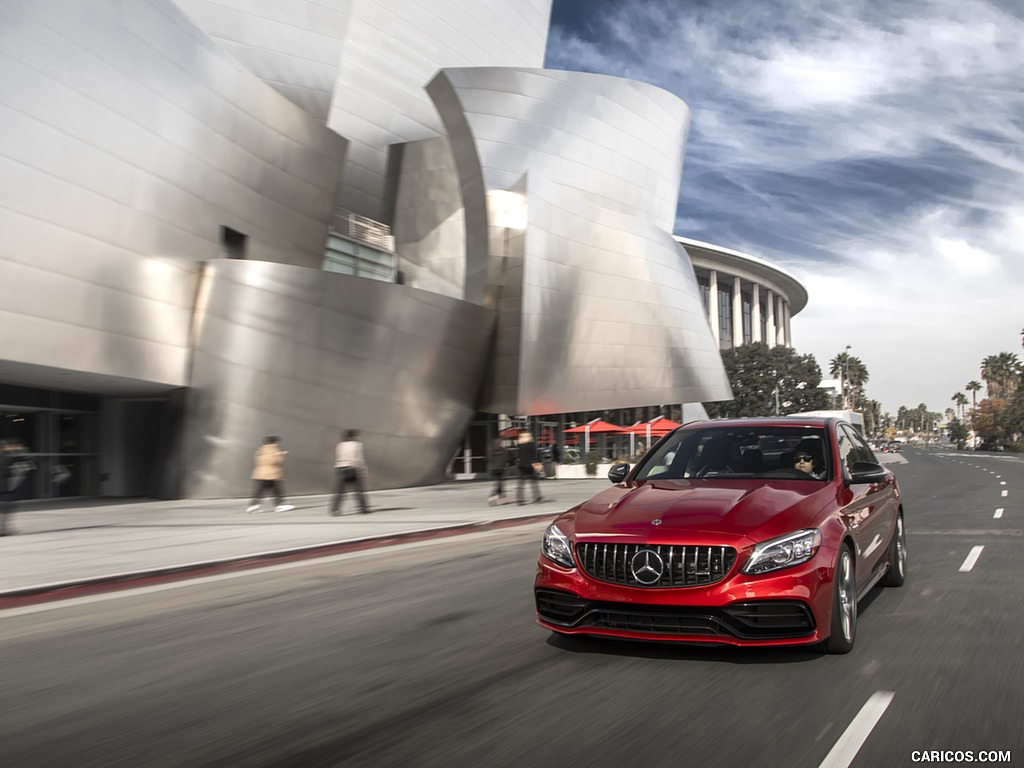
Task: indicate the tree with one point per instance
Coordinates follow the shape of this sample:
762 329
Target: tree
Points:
918 419
1001 373
990 421
957 433
872 417
762 376
960 400
973 387
852 375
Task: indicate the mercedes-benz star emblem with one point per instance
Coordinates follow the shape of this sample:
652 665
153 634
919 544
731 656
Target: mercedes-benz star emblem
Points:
656 521
647 567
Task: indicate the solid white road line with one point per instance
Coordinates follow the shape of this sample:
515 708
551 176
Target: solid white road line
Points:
856 734
998 514
972 558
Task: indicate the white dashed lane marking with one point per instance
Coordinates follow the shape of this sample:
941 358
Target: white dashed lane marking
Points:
972 558
998 514
853 738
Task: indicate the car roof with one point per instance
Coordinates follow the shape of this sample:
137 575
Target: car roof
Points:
765 421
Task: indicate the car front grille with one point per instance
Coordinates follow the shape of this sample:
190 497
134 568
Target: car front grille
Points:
678 565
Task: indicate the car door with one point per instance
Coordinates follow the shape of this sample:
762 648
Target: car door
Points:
871 508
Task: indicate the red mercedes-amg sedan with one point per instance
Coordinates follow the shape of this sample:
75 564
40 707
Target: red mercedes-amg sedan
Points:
750 532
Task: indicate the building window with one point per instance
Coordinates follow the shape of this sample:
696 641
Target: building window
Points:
748 321
724 318
350 258
233 243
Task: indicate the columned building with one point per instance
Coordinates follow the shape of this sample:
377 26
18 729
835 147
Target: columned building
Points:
746 299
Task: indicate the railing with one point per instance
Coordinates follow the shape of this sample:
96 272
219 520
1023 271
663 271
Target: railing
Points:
361 229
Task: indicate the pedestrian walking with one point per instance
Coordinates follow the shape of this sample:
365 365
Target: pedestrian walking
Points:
527 467
349 467
268 475
14 470
497 460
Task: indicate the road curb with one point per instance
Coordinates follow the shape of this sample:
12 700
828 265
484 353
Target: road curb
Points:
64 590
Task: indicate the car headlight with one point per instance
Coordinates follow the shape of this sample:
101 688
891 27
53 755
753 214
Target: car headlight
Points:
791 549
557 547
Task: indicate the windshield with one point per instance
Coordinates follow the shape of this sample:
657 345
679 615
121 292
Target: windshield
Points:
799 453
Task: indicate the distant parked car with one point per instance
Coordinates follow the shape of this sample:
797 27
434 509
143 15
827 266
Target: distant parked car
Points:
990 446
747 532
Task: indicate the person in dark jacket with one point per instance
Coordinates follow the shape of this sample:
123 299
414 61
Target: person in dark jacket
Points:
14 469
497 462
527 458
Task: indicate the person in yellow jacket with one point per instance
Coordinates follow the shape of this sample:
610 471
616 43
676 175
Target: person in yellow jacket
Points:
268 474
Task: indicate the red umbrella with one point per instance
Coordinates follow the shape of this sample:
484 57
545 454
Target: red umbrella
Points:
596 426
511 433
659 426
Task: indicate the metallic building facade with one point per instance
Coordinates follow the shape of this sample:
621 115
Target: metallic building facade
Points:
170 172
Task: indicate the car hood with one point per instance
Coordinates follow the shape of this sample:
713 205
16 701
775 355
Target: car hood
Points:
751 508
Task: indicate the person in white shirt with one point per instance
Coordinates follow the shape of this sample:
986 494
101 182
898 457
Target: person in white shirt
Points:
349 467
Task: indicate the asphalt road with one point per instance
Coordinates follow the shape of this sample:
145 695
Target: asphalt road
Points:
427 655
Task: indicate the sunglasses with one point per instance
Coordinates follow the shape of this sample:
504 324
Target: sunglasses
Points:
803 457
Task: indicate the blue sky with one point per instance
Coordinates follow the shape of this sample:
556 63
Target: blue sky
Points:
875 149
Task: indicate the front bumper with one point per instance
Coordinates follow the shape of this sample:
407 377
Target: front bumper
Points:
791 607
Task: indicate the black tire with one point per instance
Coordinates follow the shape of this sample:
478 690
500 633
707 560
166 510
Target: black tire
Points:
844 605
897 572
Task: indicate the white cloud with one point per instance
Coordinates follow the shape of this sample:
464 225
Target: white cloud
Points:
920 313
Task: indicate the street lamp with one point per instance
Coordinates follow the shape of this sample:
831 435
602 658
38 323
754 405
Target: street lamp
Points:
846 374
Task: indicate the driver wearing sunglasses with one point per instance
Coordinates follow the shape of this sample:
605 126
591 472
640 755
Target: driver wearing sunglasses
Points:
808 460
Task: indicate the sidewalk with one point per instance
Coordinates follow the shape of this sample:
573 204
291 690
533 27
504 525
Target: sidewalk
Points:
95 545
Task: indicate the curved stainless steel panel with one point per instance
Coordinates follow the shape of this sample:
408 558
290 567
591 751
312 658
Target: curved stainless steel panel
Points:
127 140
391 50
611 313
617 142
429 225
599 306
304 354
294 46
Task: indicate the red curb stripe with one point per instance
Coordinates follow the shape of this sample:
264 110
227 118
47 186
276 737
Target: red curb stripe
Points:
44 593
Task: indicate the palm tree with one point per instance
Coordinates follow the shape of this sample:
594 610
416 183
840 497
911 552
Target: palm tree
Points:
857 377
973 387
837 370
1001 374
852 375
960 400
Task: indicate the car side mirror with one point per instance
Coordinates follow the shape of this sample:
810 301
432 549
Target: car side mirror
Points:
867 472
618 473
